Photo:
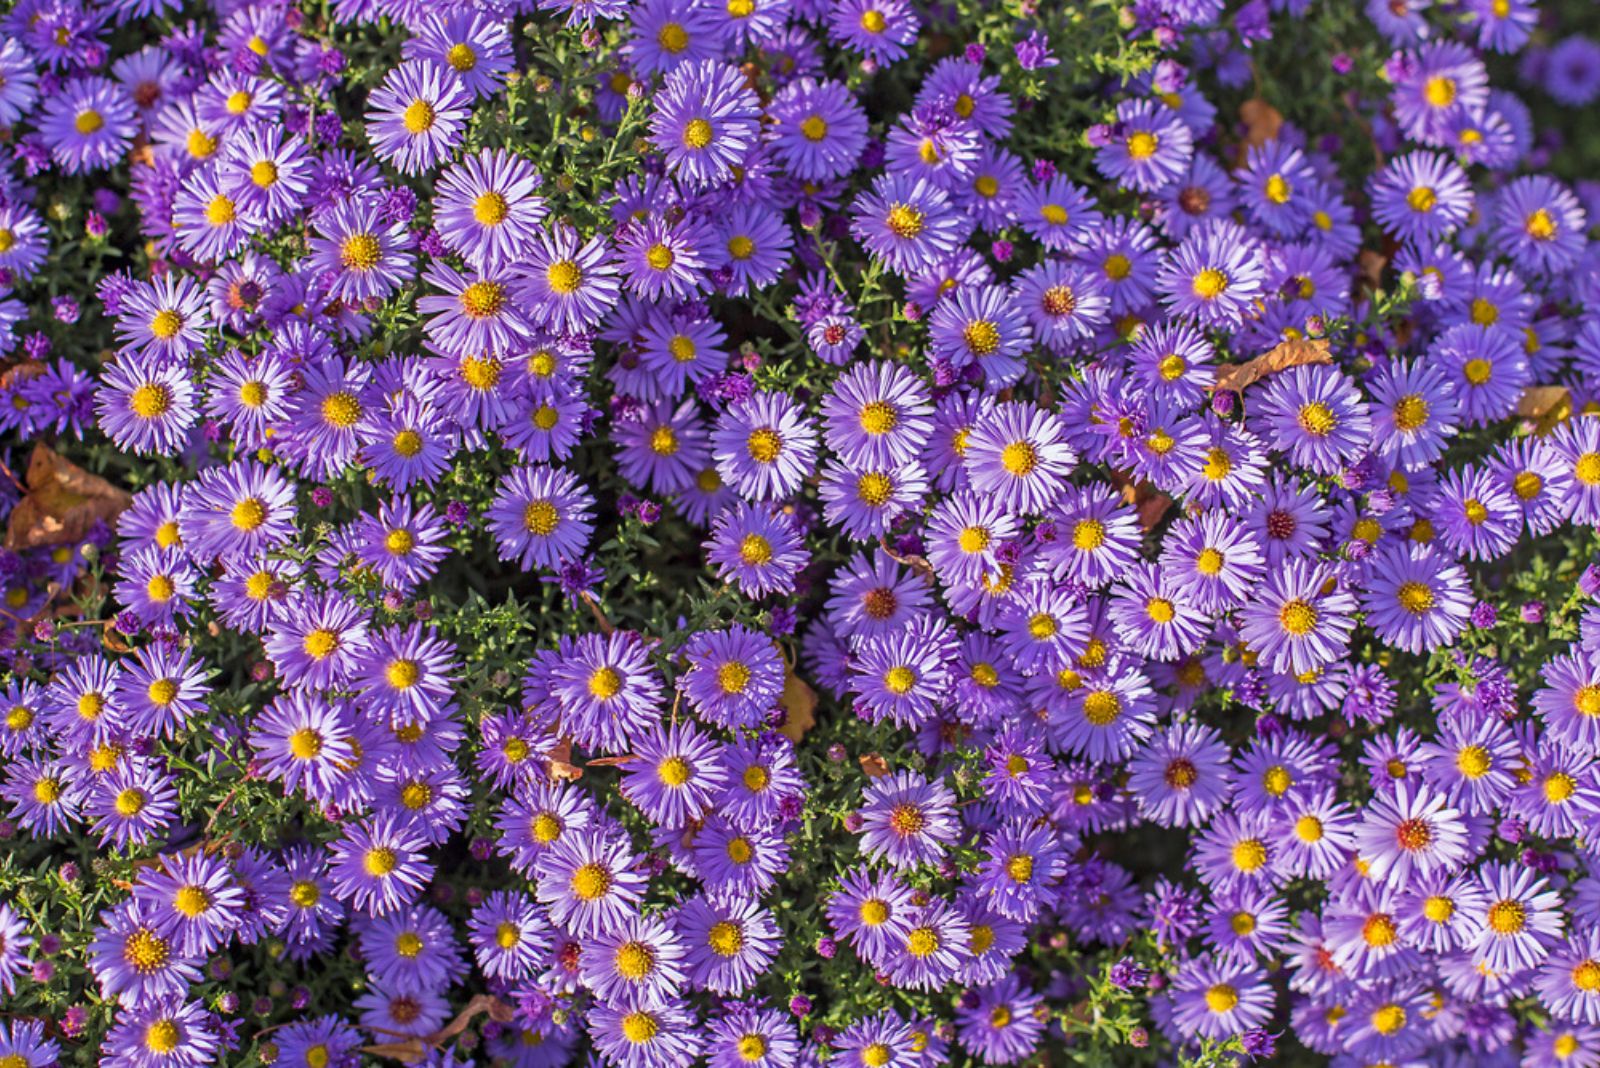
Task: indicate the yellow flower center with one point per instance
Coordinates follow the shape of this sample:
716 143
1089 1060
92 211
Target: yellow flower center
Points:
418 117
1220 998
320 643
697 134
591 882
1101 707
904 221
725 938
755 550
605 683
150 401
1142 145
1209 284
1410 412
541 518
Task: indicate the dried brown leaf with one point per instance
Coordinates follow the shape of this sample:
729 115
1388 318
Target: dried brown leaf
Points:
559 763
874 765
21 372
1149 503
112 639
1262 122
1372 264
599 617
1282 356
799 703
1542 403
62 504
413 1049
918 564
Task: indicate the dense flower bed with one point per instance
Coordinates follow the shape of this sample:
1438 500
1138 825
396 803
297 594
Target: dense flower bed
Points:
784 532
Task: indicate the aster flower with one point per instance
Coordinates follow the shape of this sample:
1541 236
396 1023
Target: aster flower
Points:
1421 197
644 1038
1106 718
1296 623
1521 921
882 29
1019 454
1064 303
705 121
1181 777
728 942
378 866
1059 215
417 116
1151 149
1442 80
1540 224
980 325
147 409
906 819
1414 414
659 259
131 804
735 676
317 642
819 129
907 223
877 414
568 284
1415 599
133 962
509 935
541 516
302 740
587 882
674 776
1213 275
756 548
1411 830
1568 982
1568 702
88 124
194 901
636 964
367 255
473 45
1218 1001
1316 416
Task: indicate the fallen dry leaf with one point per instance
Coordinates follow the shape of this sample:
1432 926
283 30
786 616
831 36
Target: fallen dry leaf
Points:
1372 264
1547 406
799 703
918 564
599 617
1282 356
21 372
112 639
414 1049
1149 503
1262 122
62 504
874 765
559 763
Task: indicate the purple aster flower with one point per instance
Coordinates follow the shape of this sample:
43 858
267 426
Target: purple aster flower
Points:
1213 276
541 517
706 121
417 116
378 865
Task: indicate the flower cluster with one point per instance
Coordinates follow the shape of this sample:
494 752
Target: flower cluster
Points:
786 532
